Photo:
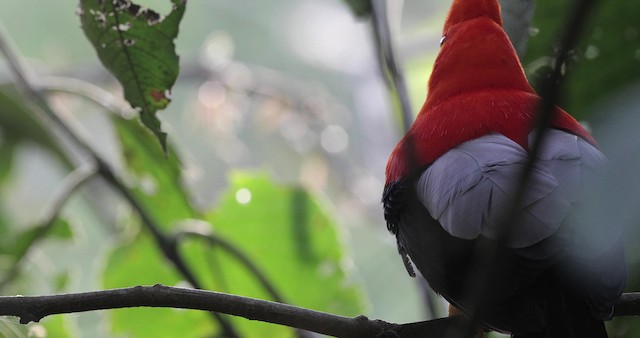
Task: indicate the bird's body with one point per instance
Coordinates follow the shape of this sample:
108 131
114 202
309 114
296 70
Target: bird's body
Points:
452 179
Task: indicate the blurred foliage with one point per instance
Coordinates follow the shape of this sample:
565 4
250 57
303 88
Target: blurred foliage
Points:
606 60
17 125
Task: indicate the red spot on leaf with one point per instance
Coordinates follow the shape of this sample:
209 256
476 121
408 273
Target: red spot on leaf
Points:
158 95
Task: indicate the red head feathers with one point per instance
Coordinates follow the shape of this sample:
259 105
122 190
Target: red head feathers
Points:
477 87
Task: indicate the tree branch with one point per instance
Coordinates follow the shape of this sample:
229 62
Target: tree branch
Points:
628 305
34 308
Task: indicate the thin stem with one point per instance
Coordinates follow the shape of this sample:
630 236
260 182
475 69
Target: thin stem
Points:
214 240
87 90
391 71
69 185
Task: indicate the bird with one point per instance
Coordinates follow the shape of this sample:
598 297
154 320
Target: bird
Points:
453 178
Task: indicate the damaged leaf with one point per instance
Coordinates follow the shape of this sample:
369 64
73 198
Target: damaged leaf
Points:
136 45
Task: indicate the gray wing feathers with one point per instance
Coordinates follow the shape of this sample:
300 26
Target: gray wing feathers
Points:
469 188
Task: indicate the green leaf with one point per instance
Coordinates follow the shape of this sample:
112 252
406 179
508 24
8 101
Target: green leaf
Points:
286 232
156 178
136 45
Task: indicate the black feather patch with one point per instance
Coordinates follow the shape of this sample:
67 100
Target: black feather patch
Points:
394 198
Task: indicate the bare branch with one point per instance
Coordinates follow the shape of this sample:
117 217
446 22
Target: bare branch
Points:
628 305
34 308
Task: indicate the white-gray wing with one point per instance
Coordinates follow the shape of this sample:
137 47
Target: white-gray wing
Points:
469 189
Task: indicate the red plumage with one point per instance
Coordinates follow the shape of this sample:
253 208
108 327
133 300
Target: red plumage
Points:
477 87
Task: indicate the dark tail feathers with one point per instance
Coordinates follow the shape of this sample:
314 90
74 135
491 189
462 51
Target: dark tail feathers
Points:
569 316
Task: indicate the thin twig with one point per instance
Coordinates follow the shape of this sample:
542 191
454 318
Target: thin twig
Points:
87 90
214 240
391 71
167 246
69 185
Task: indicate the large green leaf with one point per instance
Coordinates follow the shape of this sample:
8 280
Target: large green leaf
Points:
156 178
136 45
287 233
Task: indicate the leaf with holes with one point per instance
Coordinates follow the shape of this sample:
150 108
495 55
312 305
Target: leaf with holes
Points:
136 45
